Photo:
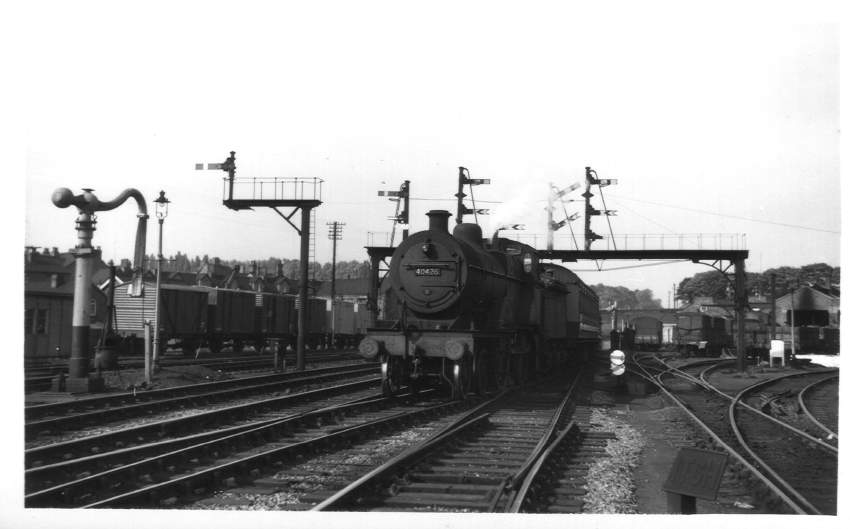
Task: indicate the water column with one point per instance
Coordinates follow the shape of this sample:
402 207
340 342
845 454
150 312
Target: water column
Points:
79 380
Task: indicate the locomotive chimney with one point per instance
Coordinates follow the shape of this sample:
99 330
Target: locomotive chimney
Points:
438 220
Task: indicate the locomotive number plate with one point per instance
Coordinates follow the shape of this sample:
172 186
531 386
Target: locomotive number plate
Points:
419 271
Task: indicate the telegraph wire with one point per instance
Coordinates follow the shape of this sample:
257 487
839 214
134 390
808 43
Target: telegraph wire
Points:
787 225
634 266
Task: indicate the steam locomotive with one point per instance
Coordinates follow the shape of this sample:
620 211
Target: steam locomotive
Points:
477 314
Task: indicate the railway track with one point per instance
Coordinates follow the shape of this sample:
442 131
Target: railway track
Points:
68 462
806 469
476 464
797 470
781 398
556 483
41 378
53 418
191 472
818 401
43 460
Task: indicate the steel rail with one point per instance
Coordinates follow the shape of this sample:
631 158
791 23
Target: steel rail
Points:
522 493
37 476
709 387
110 460
40 410
212 418
410 456
725 446
508 484
513 481
63 491
263 458
722 362
808 412
123 412
826 446
226 444
799 499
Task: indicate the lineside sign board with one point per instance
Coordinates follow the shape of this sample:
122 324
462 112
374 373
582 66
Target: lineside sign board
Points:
696 473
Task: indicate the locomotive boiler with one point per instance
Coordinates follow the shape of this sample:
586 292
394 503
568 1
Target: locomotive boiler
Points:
476 313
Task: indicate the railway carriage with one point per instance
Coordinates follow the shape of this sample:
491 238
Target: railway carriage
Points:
476 313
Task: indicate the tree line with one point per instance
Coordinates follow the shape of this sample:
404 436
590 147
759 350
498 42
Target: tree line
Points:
715 284
625 298
181 262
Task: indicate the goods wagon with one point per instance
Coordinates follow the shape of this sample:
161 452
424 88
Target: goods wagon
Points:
698 333
648 332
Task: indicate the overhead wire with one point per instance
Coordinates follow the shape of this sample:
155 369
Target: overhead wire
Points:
740 217
671 230
636 266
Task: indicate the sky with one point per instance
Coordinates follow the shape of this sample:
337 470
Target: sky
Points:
704 119
715 117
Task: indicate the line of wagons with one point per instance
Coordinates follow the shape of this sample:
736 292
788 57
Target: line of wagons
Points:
693 333
198 316
696 333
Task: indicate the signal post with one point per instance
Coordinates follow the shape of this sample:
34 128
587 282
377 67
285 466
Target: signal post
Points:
301 194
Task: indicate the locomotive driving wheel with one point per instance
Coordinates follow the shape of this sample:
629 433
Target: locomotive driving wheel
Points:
391 375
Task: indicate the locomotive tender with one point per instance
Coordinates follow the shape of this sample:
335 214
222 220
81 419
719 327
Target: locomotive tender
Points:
477 313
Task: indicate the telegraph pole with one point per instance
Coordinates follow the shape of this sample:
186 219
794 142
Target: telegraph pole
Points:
334 234
550 232
772 306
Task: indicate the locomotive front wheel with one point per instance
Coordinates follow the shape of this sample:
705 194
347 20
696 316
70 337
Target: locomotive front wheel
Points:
391 376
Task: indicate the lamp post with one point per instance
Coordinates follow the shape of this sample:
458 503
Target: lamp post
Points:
161 213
